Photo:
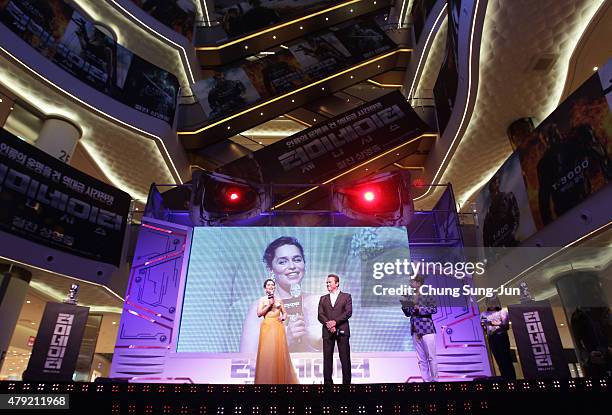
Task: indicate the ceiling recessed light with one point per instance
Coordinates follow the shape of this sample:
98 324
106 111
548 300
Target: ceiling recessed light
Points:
562 324
12 108
327 19
314 120
322 88
595 68
351 10
114 322
228 127
1 100
293 100
366 169
261 113
260 143
301 27
352 76
246 47
32 323
28 301
378 66
274 37
298 203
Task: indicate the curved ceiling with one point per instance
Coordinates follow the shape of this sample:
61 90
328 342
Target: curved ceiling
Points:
515 36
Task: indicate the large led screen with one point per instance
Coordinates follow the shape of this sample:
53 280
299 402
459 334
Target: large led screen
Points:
228 267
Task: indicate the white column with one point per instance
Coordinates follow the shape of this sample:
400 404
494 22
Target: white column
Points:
58 138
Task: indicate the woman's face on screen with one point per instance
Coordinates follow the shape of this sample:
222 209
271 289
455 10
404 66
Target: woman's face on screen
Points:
288 266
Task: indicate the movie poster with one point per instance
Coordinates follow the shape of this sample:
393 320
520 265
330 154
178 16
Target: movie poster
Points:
41 26
363 38
567 157
71 41
179 15
320 55
241 17
151 90
445 89
87 53
225 92
275 74
418 15
503 208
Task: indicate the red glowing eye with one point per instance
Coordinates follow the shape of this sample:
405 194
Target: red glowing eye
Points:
234 196
369 196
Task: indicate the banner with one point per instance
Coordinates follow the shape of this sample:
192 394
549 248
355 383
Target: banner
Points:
241 17
308 59
537 340
71 41
418 15
503 209
445 89
179 15
567 157
325 149
58 341
53 204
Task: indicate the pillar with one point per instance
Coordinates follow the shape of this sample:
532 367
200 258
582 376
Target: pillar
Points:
59 138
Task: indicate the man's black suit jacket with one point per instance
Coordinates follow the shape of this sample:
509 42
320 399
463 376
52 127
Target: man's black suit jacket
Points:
340 312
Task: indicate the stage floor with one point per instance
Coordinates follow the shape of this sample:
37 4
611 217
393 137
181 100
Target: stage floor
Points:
478 397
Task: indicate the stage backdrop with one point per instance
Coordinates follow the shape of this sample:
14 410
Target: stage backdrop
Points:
330 147
189 312
50 203
71 41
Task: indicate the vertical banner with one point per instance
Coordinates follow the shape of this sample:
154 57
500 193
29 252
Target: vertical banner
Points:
57 344
537 340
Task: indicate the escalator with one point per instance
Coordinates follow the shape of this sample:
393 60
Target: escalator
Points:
248 92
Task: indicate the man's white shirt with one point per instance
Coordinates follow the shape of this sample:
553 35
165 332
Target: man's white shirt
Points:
333 297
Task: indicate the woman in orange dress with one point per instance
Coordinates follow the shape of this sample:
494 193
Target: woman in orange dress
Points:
273 361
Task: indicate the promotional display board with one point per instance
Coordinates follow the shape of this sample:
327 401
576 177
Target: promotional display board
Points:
323 150
50 203
537 340
308 59
56 349
72 41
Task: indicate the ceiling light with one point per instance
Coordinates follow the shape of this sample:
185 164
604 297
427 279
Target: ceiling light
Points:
293 100
12 108
274 37
261 113
322 88
114 322
28 301
314 120
351 10
260 143
595 68
327 19
1 100
246 47
301 27
32 323
228 127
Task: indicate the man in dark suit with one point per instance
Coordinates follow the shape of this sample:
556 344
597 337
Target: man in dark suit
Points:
335 309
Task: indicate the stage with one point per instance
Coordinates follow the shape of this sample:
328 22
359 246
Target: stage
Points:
476 397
